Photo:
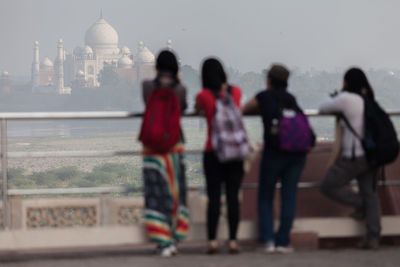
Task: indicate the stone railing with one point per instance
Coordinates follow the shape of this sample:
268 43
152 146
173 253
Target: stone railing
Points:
59 213
79 222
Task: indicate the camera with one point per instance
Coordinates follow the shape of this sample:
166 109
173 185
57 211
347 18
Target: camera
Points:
334 93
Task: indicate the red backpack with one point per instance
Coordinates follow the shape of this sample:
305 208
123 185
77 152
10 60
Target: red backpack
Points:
161 128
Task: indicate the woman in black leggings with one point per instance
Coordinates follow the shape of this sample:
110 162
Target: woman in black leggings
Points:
216 172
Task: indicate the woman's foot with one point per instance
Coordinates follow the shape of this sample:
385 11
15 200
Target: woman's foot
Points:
269 247
370 243
164 251
233 247
173 249
284 249
213 247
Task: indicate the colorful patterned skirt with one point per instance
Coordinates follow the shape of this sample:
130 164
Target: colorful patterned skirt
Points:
166 214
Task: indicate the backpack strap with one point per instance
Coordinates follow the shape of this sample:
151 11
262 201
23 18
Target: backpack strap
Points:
286 103
353 146
157 84
229 89
216 94
348 124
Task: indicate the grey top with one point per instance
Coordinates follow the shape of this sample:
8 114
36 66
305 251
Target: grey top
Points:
149 86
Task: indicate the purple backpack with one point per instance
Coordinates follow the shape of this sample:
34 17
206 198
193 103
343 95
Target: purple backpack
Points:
294 131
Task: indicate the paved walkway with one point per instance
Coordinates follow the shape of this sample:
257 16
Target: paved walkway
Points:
386 257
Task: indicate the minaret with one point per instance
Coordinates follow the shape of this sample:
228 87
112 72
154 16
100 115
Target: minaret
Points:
140 46
35 65
169 45
60 67
139 63
169 48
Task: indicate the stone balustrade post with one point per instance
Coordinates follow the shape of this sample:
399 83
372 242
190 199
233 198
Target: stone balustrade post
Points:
106 214
16 212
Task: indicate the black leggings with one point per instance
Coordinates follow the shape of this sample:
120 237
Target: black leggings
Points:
230 173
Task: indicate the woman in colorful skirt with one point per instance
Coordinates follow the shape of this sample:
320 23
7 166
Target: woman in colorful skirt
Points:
166 214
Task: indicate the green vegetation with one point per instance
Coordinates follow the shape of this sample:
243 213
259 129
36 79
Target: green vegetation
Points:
109 174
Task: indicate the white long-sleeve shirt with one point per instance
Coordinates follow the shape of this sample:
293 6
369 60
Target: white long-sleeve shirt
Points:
352 107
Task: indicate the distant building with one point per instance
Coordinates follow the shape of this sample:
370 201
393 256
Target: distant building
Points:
82 67
46 76
46 73
5 82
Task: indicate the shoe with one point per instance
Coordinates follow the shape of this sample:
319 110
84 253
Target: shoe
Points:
233 248
284 250
269 248
370 243
358 214
211 250
173 249
212 247
165 252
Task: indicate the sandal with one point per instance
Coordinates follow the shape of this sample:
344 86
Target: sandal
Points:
212 248
233 248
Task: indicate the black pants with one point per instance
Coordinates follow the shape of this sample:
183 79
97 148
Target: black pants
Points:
217 173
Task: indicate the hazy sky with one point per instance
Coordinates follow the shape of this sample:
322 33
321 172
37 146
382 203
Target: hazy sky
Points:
247 35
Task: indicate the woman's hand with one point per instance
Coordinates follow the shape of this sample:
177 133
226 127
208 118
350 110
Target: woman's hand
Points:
251 107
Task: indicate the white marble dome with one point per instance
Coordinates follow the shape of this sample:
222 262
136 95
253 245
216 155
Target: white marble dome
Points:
102 37
46 64
144 55
125 62
125 50
88 50
169 45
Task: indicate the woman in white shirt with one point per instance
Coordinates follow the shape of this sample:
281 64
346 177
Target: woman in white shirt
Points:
351 162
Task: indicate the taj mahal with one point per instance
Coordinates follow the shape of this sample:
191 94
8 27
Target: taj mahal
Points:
82 67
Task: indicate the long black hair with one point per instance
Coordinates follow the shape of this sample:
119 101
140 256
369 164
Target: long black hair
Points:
167 64
213 74
356 82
